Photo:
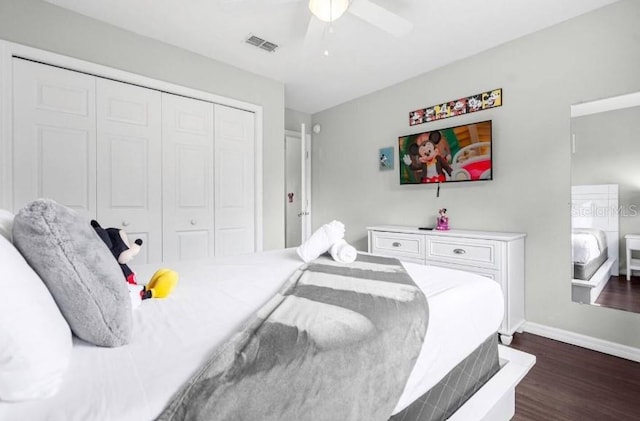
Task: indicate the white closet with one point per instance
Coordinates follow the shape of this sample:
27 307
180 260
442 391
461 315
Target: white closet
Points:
175 171
54 136
234 178
129 185
188 140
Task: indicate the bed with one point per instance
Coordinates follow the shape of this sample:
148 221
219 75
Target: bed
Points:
594 239
173 336
589 251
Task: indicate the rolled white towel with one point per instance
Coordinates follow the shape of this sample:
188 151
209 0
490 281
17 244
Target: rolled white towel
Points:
320 241
343 252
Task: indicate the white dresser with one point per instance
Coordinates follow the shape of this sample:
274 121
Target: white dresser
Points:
497 255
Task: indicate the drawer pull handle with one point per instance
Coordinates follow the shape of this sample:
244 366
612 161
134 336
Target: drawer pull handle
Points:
396 244
125 223
459 251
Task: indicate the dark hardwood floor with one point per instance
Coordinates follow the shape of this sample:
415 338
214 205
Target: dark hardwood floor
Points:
575 384
621 294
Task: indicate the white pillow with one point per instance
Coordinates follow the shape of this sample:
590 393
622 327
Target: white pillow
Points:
35 340
6 224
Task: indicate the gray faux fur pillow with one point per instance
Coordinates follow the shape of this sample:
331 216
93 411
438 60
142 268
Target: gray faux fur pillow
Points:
79 270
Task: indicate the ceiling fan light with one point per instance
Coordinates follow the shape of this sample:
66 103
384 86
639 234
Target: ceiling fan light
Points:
328 10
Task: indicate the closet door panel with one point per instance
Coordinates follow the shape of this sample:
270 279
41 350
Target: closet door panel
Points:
187 134
234 181
129 164
192 243
54 139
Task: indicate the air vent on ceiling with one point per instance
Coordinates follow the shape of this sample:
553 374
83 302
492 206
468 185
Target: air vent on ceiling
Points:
260 43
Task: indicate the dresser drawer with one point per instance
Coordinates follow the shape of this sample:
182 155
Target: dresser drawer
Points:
478 253
487 273
398 245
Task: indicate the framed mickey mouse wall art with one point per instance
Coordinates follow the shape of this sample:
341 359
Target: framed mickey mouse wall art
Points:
386 158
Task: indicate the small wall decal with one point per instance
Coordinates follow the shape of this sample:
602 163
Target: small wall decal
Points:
386 158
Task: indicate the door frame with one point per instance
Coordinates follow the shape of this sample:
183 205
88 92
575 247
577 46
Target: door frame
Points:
9 50
306 150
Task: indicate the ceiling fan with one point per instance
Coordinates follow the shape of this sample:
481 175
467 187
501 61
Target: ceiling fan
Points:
331 10
327 11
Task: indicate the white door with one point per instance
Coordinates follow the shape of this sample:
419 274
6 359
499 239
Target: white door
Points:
297 188
54 136
293 191
129 175
187 155
234 181
305 175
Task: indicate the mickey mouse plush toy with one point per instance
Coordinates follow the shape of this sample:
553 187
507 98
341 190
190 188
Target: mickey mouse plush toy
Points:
116 240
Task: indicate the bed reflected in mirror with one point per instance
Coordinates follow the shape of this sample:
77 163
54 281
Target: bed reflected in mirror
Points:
605 202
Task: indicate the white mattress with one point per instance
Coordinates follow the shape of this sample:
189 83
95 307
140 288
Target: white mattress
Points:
173 337
585 247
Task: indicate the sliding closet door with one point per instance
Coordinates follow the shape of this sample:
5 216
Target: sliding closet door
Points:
54 136
187 142
129 147
234 181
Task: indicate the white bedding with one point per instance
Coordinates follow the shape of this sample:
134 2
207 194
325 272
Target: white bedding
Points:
173 337
585 247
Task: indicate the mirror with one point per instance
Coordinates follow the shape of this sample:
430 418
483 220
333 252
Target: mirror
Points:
605 202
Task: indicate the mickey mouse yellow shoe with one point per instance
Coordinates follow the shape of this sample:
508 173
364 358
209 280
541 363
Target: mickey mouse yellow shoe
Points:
161 284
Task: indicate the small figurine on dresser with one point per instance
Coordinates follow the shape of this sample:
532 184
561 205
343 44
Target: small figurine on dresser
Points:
442 221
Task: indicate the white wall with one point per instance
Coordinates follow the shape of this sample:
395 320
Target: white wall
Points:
592 56
293 119
42 25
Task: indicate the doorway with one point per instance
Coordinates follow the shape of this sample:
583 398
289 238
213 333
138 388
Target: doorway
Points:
297 194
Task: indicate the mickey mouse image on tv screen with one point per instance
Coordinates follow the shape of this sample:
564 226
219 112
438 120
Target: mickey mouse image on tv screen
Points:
424 158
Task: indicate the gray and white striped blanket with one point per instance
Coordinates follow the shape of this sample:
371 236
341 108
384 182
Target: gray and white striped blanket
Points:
338 342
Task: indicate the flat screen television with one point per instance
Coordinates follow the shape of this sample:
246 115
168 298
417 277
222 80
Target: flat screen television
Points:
460 153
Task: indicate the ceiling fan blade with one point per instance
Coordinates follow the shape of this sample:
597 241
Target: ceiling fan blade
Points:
314 35
380 17
300 24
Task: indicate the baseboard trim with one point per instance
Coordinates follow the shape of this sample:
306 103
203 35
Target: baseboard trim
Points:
589 342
